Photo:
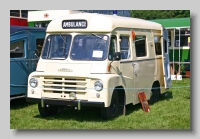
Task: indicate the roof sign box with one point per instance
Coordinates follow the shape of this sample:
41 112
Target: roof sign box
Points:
67 24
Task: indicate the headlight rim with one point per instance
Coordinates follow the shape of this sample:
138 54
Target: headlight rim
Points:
100 83
33 78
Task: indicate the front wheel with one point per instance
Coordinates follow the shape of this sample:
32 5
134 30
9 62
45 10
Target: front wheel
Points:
113 110
47 110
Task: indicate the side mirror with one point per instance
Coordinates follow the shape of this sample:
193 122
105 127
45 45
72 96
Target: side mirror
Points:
117 56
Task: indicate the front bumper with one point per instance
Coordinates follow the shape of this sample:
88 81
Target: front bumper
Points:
66 102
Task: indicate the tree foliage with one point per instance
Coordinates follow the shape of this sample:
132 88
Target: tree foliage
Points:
159 14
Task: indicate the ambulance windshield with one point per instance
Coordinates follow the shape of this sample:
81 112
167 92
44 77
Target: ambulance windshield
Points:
56 46
90 47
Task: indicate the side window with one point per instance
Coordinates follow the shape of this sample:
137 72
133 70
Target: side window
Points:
124 47
24 13
184 37
169 38
140 46
113 46
15 13
157 43
17 49
165 46
39 43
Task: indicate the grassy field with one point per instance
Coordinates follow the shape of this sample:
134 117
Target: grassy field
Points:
171 112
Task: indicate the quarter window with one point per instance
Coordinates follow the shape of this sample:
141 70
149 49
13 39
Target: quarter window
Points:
113 47
124 47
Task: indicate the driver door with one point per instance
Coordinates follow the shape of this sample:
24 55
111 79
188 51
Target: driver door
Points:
166 63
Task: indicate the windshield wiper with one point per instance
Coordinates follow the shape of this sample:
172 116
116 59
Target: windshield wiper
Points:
98 36
62 38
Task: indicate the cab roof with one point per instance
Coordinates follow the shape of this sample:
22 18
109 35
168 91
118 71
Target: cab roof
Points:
101 23
14 29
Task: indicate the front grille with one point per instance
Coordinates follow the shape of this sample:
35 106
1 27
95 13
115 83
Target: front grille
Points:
64 86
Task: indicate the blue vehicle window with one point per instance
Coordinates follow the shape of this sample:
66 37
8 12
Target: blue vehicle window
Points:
125 13
39 43
17 49
120 13
24 13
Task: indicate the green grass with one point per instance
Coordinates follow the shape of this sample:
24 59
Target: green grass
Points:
171 112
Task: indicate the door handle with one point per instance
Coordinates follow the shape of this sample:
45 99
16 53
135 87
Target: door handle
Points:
134 70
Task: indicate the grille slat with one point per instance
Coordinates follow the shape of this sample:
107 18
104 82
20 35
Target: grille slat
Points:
63 90
77 86
64 81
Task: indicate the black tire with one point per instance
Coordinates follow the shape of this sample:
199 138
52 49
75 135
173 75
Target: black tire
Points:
113 110
155 94
47 111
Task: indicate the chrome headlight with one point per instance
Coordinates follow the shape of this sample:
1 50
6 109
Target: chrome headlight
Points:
33 82
98 85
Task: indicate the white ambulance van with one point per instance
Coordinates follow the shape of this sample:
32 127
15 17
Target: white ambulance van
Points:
95 60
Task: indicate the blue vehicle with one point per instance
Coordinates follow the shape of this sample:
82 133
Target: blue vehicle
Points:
25 48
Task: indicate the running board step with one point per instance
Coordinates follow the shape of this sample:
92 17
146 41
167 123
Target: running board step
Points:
17 97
